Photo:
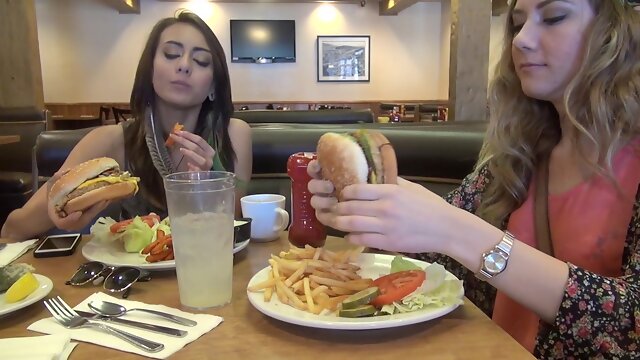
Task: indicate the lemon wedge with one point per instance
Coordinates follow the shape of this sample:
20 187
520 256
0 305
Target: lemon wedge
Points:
25 285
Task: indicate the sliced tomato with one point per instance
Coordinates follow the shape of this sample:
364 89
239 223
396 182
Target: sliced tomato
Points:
147 219
394 287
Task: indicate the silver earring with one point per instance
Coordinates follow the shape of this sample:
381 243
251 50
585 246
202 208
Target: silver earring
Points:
211 96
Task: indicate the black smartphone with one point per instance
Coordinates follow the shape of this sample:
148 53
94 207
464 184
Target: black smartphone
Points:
57 245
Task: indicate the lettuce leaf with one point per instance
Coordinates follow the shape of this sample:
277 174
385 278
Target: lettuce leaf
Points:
101 230
435 292
137 235
401 264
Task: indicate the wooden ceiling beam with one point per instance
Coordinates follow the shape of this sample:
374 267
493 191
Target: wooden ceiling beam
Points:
124 6
393 7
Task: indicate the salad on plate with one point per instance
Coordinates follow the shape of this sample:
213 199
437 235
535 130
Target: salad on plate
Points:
147 235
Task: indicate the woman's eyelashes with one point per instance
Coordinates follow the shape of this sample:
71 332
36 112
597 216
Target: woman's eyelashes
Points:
552 20
200 62
171 56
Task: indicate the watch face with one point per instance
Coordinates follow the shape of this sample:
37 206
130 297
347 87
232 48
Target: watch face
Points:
495 263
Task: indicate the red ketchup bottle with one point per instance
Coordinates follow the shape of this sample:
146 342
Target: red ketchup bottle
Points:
305 229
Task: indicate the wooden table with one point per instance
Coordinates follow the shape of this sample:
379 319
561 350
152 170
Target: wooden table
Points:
9 139
465 333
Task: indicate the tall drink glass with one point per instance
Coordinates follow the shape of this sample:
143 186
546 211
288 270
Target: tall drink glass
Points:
201 207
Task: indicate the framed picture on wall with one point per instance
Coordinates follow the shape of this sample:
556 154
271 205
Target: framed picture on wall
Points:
343 58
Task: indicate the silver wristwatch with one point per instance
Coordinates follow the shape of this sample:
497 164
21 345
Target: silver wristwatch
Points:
495 260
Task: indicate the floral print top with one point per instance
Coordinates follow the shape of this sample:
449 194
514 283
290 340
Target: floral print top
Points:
599 317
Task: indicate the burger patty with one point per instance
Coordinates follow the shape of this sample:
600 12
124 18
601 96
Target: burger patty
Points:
79 192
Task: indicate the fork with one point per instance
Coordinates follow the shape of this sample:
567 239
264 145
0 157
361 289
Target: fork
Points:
68 318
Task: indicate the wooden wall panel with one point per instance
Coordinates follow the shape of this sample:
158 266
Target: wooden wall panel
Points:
92 110
20 71
469 59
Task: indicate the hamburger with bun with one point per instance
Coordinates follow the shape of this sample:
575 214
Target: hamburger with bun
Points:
360 157
89 183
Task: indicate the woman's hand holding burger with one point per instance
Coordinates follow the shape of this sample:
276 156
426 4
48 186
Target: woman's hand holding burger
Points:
76 195
397 216
75 220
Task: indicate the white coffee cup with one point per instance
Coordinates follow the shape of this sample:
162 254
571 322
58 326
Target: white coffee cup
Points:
267 213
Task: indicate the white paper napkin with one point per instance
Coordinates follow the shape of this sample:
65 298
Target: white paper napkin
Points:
14 250
171 344
47 347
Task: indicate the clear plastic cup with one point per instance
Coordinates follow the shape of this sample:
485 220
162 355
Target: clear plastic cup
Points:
201 209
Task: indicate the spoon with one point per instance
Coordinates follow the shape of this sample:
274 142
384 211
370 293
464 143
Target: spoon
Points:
110 309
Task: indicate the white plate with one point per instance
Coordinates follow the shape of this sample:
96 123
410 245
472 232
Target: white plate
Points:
372 266
113 254
45 287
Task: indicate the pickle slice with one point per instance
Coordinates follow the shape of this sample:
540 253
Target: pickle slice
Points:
366 310
360 298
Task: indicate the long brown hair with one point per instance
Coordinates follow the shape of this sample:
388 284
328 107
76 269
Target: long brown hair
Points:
602 103
217 112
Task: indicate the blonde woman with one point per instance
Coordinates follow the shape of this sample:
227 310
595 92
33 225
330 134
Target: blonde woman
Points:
565 114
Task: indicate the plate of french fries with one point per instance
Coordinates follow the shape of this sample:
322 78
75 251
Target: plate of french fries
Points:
307 286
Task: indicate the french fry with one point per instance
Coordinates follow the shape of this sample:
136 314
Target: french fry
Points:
307 293
296 275
332 303
171 256
298 287
275 268
269 283
316 254
341 291
321 289
268 293
160 247
280 293
291 296
349 275
177 127
330 275
147 249
158 257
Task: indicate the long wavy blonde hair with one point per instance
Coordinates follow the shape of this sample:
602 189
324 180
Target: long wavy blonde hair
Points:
602 102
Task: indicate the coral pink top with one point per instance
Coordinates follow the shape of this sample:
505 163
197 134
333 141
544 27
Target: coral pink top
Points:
588 226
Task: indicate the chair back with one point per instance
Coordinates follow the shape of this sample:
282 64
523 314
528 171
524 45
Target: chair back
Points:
51 150
121 114
15 114
105 111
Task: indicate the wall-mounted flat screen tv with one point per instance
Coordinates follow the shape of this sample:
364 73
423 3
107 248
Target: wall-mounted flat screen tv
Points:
263 41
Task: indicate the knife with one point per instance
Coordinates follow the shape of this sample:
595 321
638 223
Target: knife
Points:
140 325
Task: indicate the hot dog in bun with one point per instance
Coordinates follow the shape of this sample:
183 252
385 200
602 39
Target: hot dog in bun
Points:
89 183
363 156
